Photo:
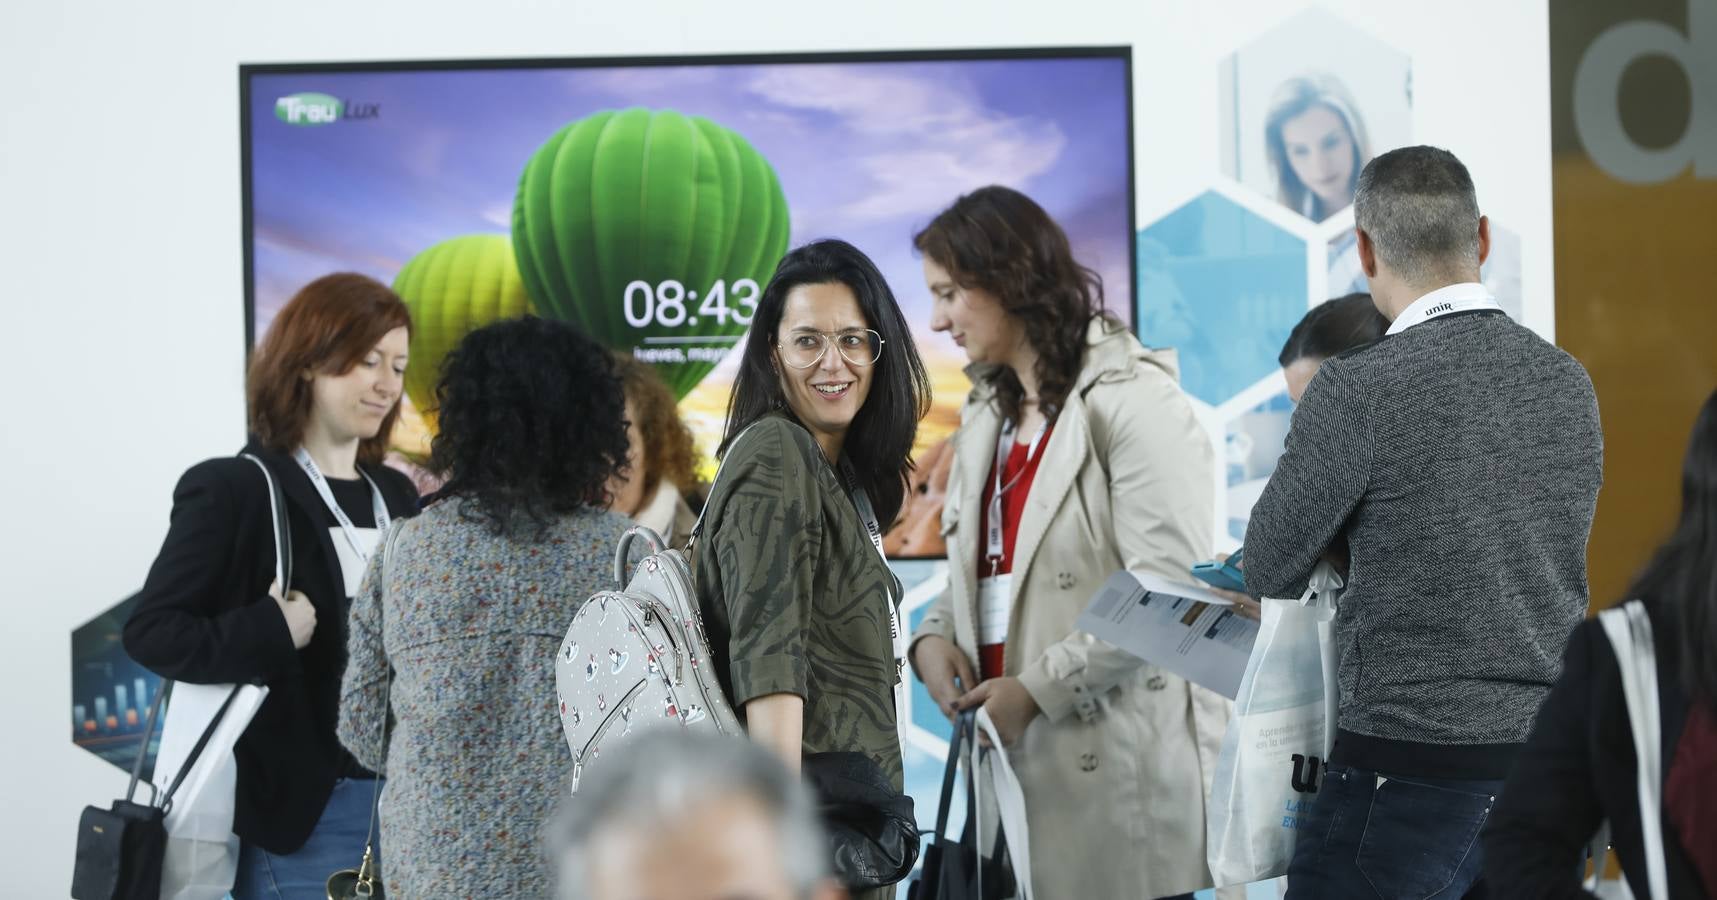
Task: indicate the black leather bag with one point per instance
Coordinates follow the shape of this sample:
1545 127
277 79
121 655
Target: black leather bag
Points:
119 852
953 869
873 836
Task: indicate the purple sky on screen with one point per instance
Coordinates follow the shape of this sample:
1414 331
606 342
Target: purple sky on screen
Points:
865 151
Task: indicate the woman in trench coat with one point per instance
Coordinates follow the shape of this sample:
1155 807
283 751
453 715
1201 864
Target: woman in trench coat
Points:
1077 455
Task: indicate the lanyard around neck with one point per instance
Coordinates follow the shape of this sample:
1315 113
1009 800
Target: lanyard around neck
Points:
867 515
320 482
994 550
1433 306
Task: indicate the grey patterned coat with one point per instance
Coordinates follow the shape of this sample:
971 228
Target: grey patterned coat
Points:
470 623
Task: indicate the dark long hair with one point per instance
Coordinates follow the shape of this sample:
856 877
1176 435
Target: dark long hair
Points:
1000 241
879 441
1682 578
532 423
1334 327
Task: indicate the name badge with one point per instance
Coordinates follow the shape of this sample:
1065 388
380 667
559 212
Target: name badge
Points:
995 604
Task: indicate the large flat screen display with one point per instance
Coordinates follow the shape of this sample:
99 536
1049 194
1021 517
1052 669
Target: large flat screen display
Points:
648 201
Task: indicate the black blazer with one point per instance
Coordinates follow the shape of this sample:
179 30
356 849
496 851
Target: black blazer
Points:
204 616
1579 768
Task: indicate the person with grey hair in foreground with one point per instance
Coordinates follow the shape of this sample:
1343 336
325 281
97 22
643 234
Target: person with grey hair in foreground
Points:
1459 460
684 816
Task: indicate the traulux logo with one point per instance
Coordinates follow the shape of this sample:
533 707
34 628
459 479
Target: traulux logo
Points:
310 108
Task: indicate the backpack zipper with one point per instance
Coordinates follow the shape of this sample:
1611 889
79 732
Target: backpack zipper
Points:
602 730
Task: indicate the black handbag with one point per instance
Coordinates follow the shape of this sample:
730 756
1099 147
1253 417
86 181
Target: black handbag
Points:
954 869
873 837
951 867
120 850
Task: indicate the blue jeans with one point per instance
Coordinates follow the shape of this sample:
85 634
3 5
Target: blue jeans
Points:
337 843
1393 838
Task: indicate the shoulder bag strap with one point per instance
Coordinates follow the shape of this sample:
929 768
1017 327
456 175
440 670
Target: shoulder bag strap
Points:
148 732
197 749
282 529
962 734
697 527
1629 631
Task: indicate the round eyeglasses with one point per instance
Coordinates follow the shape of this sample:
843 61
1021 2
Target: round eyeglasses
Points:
804 349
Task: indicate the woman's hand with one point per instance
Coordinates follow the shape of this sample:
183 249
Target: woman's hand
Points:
1010 705
1243 604
939 663
299 612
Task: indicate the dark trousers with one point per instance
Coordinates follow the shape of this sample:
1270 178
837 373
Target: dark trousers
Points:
1375 835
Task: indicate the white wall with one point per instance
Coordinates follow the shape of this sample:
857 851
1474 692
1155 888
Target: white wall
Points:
119 223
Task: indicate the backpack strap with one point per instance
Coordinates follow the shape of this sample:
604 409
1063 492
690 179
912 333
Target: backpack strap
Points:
697 527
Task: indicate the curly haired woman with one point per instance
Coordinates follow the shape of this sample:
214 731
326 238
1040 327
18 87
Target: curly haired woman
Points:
472 610
661 473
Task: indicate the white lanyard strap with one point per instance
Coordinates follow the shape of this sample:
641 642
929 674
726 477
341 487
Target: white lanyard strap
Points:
1444 302
320 482
994 550
867 514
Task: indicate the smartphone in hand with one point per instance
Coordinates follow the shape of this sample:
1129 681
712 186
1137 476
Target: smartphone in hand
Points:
1225 575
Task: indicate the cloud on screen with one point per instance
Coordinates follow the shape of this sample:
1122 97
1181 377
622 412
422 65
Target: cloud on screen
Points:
917 140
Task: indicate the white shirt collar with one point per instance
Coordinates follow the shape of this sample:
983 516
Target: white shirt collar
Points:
1467 295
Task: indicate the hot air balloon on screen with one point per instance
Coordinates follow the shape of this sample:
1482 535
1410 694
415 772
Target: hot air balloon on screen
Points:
452 288
649 228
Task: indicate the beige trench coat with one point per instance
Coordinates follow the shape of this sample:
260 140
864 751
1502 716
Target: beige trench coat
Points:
1117 770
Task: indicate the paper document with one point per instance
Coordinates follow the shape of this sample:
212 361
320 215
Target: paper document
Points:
1179 627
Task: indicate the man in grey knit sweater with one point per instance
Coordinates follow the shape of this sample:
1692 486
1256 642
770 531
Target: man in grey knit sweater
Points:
1456 464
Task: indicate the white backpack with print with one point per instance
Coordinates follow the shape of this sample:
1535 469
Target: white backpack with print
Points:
638 659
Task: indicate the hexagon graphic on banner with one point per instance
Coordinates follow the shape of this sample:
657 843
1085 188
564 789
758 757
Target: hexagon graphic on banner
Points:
1252 443
1224 287
1306 105
110 692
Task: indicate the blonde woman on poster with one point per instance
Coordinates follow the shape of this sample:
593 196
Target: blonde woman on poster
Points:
1077 455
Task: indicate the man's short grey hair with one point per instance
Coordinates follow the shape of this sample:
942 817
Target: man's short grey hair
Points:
1419 208
660 776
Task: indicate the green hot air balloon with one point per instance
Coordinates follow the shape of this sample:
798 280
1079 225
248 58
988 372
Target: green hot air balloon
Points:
650 229
451 289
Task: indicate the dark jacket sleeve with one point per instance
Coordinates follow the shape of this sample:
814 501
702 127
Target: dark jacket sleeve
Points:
1535 840
1318 482
184 626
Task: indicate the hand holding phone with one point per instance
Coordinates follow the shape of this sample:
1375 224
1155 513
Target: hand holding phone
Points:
1225 575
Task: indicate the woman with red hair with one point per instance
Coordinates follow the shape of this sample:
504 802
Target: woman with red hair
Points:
323 394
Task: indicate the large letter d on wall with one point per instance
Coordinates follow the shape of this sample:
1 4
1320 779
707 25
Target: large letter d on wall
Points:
1597 111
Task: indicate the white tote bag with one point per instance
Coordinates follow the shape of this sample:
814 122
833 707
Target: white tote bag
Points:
202 852
1276 745
1010 804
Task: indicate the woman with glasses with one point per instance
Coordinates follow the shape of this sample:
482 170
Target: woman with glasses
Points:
799 603
1077 456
